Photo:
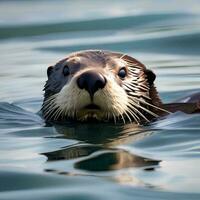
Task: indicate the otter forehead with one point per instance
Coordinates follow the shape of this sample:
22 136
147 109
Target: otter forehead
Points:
92 59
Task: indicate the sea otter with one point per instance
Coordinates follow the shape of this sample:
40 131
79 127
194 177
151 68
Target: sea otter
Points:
97 85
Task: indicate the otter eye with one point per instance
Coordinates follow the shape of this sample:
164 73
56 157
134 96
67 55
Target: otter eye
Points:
122 73
66 70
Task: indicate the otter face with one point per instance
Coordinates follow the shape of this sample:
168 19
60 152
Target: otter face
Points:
99 85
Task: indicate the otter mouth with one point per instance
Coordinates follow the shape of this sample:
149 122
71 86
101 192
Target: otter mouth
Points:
92 107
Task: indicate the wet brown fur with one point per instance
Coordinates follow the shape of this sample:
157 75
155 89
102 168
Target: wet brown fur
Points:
99 59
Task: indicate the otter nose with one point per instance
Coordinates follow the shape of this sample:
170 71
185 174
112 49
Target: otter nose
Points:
91 81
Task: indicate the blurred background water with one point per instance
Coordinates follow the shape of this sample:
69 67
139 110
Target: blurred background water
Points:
88 161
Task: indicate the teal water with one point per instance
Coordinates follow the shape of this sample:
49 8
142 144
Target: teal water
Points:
98 161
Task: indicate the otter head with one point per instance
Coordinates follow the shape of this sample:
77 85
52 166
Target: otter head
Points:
100 85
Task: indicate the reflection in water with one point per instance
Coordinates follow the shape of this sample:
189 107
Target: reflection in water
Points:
101 159
103 134
98 150
76 151
114 161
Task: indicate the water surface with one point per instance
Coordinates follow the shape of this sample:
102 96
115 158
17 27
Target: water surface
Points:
98 161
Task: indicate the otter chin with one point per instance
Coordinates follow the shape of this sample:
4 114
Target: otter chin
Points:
96 85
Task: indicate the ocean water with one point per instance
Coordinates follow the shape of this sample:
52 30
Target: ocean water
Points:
98 161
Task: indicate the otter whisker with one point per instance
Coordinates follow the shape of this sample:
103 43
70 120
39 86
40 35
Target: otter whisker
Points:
47 104
62 115
135 102
108 113
148 111
114 118
66 112
50 109
136 110
134 116
50 98
58 113
123 118
133 113
48 114
156 107
54 113
119 110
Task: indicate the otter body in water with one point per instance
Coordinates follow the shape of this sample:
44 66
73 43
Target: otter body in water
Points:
105 86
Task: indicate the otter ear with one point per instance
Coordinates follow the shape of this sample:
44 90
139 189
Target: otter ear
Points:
49 70
150 76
